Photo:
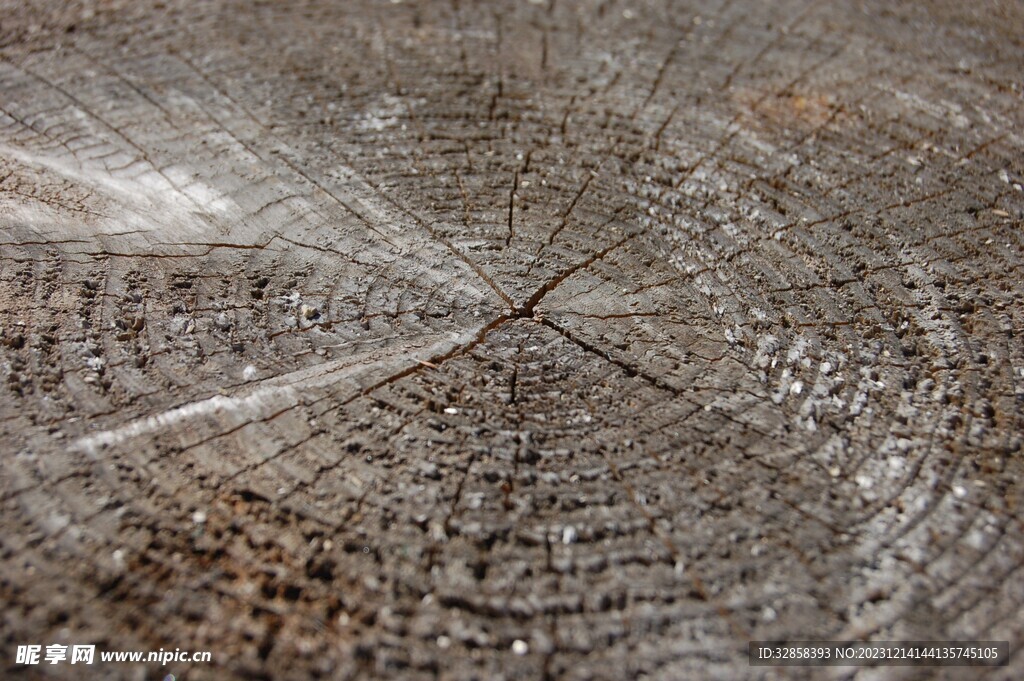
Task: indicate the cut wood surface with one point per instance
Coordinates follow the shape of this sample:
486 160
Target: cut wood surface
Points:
533 339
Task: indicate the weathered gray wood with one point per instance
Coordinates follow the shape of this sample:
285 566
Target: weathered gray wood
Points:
365 339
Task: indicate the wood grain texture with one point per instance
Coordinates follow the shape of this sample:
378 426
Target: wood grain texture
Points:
365 339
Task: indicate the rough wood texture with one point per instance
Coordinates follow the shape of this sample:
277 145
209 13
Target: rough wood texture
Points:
362 339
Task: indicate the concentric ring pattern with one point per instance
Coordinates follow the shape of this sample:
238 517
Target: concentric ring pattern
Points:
529 339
